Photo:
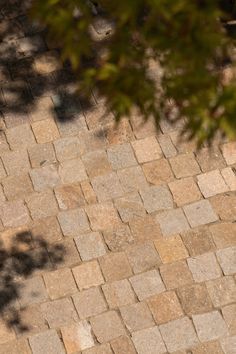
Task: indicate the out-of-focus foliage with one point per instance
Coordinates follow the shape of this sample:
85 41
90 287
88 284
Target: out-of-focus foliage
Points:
166 58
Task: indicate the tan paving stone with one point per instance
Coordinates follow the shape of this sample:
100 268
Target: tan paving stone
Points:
122 345
148 341
88 192
20 137
142 129
42 204
15 347
118 134
118 238
102 216
147 284
157 199
229 344
182 143
77 337
212 347
72 171
229 152
225 206
69 196
212 183
165 307
6 334
68 255
147 149
222 291
107 326
92 140
137 316
47 62
184 191
107 187
90 245
67 148
145 228
121 156
32 291
88 275
143 257
130 207
32 320
48 229
14 214
176 274
171 249
99 349
204 267
73 221
194 298
75 125
2 170
178 334
172 222
41 154
230 318
16 187
45 177
47 341
158 172
59 313
132 179
200 213
45 131
115 266
60 283
198 241
15 163
209 326
96 163
227 260
210 159
184 165
89 302
118 293
229 177
98 116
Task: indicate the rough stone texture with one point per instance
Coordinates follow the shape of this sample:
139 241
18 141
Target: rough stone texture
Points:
96 163
89 302
165 307
184 165
15 163
210 159
20 137
41 154
157 199
88 275
172 222
225 206
60 283
32 291
230 318
178 334
200 213
130 207
191 192
147 149
229 152
147 284
59 313
77 337
121 156
212 347
72 171
222 291
148 341
44 178
229 177
14 214
45 131
73 221
118 293
204 267
158 172
67 148
46 342
212 183
42 204
115 266
16 187
198 241
176 274
90 245
132 179
118 238
107 326
195 299
69 196
107 187
209 326
123 345
142 257
229 344
171 249
137 316
227 260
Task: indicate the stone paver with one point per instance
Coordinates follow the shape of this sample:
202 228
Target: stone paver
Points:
136 225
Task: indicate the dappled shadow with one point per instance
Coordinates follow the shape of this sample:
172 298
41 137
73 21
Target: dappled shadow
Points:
22 84
20 258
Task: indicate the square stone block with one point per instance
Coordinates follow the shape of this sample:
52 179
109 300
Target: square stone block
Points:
115 266
88 275
147 284
200 213
204 267
89 302
107 326
210 326
90 245
118 293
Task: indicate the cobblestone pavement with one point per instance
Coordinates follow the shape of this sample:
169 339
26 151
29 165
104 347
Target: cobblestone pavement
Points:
113 240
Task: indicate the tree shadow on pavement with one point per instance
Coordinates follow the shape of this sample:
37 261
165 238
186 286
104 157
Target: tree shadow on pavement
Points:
20 258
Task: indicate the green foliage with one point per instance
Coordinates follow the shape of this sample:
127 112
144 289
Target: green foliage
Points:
160 54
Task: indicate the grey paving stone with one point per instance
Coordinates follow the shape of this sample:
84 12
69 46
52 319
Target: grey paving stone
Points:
147 284
121 156
148 341
107 187
46 342
90 245
210 326
179 334
204 267
45 177
172 222
157 199
200 213
227 260
73 221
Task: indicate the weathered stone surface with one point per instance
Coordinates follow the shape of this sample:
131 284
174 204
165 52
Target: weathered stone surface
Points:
42 204
59 313
45 130
107 187
102 216
60 283
14 214
195 299
200 213
90 245
142 257
212 183
41 154
107 326
158 172
204 267
130 207
47 341
149 341
96 163
123 345
198 241
88 275
72 171
147 284
147 149
157 199
137 316
77 337
118 293
89 302
73 221
176 274
69 196
16 187
209 326
118 238
121 156
171 249
227 260
184 191
115 266
184 165
45 178
67 148
132 179
172 222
